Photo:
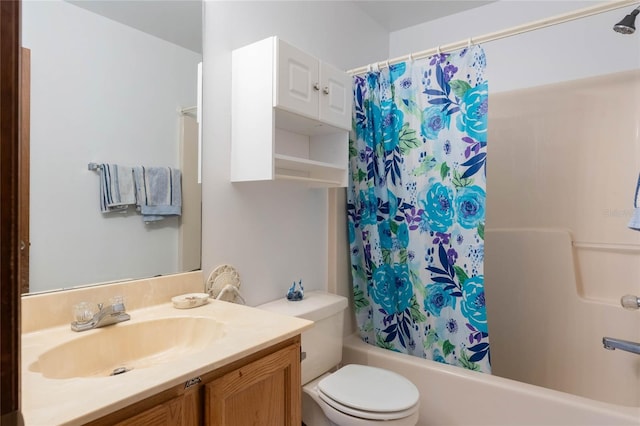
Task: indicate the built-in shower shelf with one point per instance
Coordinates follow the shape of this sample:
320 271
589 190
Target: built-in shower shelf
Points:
630 248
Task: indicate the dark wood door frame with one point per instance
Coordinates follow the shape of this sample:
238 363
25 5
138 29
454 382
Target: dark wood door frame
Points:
9 229
24 159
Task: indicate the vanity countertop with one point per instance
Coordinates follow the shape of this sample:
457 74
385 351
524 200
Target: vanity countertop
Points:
47 401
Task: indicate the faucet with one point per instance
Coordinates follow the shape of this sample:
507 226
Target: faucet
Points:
624 345
87 320
632 302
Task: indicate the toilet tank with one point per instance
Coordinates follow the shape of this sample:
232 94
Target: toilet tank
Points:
321 344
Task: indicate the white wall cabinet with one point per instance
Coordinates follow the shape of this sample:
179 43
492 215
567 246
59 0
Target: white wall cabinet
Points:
312 88
291 116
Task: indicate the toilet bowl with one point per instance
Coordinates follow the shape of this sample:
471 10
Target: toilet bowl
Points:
362 395
354 394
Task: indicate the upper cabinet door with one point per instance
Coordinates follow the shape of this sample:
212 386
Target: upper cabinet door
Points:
335 96
298 81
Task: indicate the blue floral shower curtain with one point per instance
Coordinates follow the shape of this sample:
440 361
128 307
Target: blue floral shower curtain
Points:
416 207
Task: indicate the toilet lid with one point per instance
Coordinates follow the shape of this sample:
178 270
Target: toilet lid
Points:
371 389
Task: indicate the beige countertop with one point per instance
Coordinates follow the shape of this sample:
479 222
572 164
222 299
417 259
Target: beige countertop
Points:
47 401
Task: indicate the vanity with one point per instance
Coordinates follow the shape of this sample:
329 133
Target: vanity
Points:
220 363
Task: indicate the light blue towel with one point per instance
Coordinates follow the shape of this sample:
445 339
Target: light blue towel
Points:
158 192
634 223
117 190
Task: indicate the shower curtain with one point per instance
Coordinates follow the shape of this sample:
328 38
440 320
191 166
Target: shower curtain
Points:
416 207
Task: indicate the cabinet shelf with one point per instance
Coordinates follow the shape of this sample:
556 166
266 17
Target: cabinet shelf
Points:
311 181
303 165
314 172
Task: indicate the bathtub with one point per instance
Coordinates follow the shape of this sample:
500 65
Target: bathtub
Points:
454 396
559 375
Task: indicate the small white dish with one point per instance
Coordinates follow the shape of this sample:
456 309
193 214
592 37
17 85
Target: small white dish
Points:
189 300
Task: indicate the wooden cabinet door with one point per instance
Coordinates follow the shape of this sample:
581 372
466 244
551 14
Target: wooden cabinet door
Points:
298 81
163 409
265 392
335 97
168 413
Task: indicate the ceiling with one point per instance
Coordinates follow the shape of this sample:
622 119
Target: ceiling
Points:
396 15
180 21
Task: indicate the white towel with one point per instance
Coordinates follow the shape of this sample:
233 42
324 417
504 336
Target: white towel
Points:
634 223
158 192
117 189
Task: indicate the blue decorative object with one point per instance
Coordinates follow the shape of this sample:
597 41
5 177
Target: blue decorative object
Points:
296 292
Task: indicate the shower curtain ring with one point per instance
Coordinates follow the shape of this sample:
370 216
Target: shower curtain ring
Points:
386 63
439 51
411 57
469 43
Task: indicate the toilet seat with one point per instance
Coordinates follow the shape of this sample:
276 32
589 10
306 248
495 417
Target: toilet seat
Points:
369 393
367 415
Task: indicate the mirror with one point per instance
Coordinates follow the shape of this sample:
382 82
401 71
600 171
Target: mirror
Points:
110 82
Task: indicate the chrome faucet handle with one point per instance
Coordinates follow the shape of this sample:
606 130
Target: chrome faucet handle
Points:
83 312
117 304
629 301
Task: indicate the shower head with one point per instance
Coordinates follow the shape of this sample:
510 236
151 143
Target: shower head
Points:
627 25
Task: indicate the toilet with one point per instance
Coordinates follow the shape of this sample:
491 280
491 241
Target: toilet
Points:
351 395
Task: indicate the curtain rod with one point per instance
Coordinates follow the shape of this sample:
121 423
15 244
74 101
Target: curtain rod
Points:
520 29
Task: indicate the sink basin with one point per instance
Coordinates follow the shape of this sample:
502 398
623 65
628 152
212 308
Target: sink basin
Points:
126 346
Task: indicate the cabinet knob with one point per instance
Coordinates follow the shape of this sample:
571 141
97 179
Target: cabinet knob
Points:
325 90
316 86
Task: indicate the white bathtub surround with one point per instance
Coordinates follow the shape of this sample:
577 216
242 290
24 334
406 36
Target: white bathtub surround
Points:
566 156
455 396
559 254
